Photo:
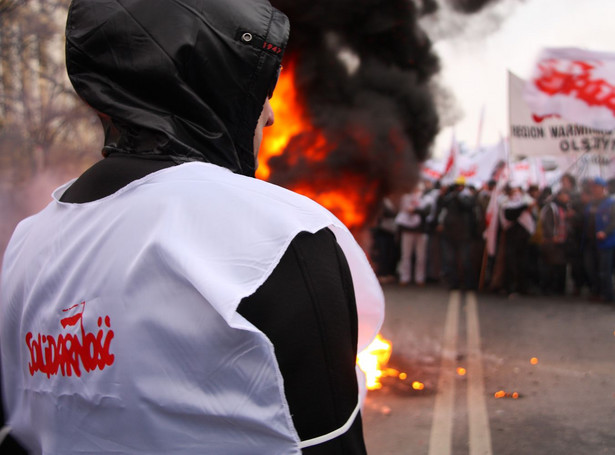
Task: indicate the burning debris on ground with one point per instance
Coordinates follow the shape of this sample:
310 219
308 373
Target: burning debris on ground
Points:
502 394
393 374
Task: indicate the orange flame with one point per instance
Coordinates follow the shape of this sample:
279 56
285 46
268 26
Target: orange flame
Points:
373 359
416 385
503 394
346 205
344 195
289 121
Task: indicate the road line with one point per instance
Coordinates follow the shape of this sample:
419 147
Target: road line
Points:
478 419
441 438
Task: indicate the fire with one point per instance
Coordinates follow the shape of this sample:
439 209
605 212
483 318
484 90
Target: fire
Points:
289 120
373 359
347 206
347 195
534 361
503 394
416 385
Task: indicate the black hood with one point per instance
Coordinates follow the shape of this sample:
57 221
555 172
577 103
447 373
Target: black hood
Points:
185 79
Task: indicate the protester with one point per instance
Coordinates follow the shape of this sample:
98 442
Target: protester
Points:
495 240
610 185
457 225
589 241
519 225
385 248
605 237
484 195
568 183
574 242
553 219
411 221
535 267
433 193
166 301
536 241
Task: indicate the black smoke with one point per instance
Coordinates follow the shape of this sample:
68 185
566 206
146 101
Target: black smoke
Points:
378 111
366 71
465 20
469 6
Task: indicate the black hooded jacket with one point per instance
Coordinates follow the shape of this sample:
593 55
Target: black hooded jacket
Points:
175 81
179 79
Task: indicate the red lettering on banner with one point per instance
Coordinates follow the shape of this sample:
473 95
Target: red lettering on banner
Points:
539 119
67 353
575 79
431 172
471 172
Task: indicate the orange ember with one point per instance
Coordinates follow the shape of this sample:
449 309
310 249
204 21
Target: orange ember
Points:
416 385
344 195
373 360
502 394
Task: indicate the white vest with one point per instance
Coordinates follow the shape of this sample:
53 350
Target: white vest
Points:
119 329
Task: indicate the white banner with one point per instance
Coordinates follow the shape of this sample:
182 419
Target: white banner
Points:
574 84
528 172
533 136
432 170
476 167
480 166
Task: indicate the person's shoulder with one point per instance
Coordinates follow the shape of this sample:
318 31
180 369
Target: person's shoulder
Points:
204 182
210 189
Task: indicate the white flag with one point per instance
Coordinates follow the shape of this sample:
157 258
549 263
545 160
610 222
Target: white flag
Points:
576 85
531 135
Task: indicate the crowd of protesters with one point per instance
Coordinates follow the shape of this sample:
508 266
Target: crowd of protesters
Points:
501 238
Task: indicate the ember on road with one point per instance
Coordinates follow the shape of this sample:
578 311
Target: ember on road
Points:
531 375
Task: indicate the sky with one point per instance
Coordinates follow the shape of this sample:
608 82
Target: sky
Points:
475 62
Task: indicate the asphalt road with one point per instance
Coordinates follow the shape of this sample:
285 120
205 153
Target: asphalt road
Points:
552 359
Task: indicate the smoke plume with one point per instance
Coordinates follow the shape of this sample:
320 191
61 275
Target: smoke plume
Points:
465 19
366 71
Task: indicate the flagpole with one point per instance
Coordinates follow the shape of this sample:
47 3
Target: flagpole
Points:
480 127
550 183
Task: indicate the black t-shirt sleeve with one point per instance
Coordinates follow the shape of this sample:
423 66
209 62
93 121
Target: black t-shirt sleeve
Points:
307 309
8 445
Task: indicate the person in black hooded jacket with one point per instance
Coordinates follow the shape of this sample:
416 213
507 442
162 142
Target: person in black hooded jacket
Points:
176 83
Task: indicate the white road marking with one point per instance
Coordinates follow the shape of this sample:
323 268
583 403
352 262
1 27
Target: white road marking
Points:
478 419
441 438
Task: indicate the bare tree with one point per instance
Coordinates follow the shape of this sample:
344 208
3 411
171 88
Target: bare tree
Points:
6 6
42 120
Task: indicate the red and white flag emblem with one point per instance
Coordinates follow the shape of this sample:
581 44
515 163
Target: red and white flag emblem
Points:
574 84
